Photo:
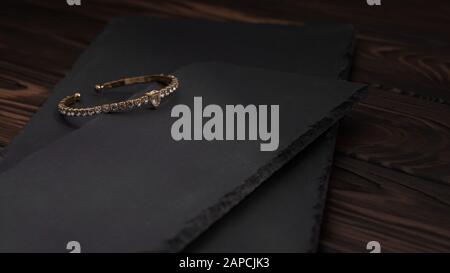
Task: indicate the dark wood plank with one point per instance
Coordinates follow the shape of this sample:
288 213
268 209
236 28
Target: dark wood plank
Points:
367 202
399 132
403 44
392 48
15 113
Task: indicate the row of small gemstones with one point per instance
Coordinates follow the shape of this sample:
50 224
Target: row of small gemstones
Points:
115 107
166 91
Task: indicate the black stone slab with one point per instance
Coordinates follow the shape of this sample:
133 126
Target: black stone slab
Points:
121 183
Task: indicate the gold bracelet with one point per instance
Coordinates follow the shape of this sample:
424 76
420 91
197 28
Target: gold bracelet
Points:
153 97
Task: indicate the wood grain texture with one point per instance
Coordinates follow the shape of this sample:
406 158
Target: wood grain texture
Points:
399 132
367 202
403 44
391 177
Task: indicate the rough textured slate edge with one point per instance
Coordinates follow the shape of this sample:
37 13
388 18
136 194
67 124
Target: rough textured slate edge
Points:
319 208
345 65
344 73
210 215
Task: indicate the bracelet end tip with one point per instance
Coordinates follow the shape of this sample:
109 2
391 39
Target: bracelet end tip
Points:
98 87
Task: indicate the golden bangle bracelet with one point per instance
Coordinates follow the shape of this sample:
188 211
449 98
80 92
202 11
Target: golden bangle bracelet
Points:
152 97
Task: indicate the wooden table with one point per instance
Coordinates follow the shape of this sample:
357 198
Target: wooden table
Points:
391 175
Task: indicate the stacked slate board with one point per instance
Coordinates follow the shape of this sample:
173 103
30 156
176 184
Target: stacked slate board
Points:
120 183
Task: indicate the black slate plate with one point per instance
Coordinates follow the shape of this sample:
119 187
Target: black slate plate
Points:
122 184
